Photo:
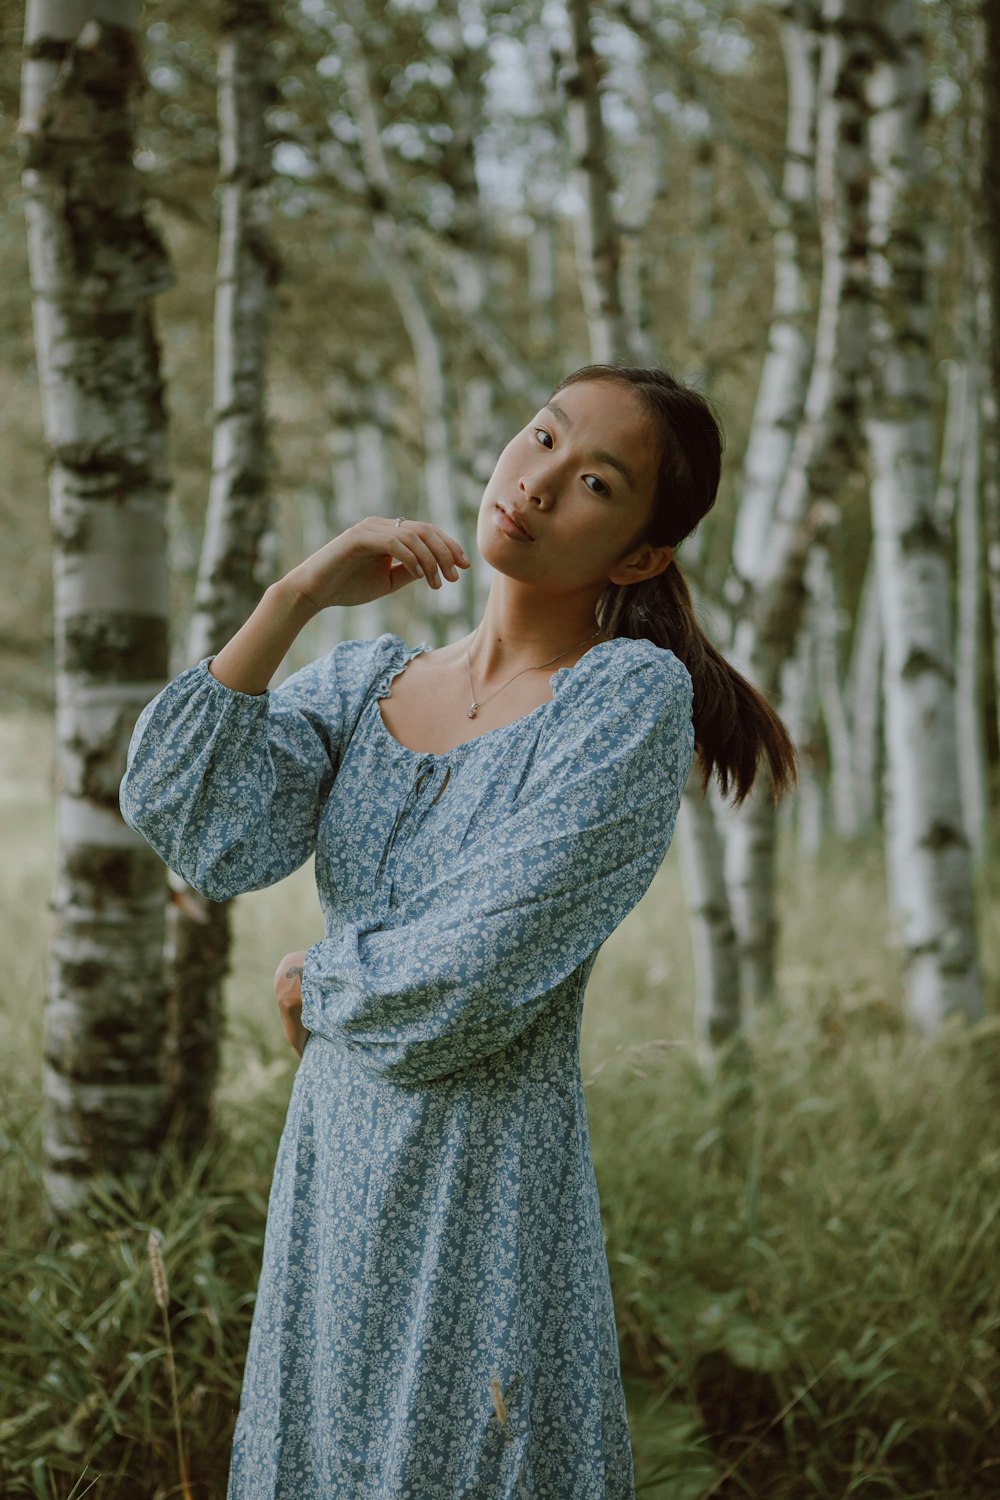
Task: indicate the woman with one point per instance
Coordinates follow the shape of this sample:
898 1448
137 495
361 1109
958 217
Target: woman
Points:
434 1315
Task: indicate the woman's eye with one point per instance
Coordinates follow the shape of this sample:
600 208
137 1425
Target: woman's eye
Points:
603 487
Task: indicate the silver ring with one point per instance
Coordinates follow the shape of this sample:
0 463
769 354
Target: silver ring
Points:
399 520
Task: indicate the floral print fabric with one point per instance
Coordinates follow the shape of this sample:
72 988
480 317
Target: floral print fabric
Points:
434 1315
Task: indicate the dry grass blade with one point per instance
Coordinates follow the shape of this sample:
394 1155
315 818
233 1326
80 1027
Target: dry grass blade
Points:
161 1291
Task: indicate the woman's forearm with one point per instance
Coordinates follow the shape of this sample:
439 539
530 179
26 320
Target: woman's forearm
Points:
249 661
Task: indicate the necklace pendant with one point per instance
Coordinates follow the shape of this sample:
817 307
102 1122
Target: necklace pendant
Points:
472 711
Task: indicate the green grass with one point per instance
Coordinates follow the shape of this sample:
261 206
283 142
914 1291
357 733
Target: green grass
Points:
804 1241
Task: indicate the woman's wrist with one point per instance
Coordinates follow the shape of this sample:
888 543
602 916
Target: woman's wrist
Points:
249 661
295 599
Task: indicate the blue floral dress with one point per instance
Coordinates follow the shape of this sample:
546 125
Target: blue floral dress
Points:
434 1315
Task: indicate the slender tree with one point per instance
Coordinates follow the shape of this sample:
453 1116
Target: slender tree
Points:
984 154
825 623
96 264
864 700
930 861
234 561
403 275
597 236
827 434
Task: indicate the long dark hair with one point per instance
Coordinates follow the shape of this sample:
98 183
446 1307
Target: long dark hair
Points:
735 726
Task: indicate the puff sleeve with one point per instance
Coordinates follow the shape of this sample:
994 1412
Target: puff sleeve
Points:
455 974
228 787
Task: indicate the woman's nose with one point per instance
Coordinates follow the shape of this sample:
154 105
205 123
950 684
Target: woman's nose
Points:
532 486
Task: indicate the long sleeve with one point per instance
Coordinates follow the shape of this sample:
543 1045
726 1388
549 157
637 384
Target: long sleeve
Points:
456 973
228 787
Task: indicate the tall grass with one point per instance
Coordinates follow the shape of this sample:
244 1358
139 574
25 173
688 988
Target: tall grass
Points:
804 1241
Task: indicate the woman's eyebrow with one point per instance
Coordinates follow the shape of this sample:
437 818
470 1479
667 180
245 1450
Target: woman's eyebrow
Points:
598 453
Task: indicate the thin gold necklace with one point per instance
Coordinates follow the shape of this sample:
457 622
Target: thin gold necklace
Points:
472 711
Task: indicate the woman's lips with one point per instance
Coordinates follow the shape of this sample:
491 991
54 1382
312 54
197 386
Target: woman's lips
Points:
511 528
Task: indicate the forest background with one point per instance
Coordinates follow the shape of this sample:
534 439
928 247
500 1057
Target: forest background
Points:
791 1050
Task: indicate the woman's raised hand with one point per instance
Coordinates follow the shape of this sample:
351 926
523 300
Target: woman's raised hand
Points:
375 557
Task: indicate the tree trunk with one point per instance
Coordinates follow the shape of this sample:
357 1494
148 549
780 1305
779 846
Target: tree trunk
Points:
597 240
351 502
824 440
705 229
96 263
801 710
933 884
645 186
472 239
785 372
968 631
749 835
985 152
415 309
825 617
716 958
864 697
230 574
541 251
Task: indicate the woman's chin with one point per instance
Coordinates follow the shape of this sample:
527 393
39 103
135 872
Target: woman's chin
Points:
504 553
500 560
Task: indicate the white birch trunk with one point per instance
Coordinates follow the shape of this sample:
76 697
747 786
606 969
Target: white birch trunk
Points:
713 937
479 440
419 320
968 618
982 533
349 505
984 122
645 185
864 697
933 884
826 625
542 283
800 709
324 631
96 263
950 465
440 479
749 835
234 566
813 475
597 240
705 237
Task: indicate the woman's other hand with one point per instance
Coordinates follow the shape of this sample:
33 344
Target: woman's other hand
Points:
288 993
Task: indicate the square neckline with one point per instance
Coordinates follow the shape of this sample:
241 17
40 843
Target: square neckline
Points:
409 652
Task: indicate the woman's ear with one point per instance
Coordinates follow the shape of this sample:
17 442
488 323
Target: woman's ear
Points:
646 562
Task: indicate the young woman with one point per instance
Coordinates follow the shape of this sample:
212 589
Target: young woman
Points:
434 1315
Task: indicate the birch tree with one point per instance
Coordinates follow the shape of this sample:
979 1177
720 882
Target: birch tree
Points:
777 413
233 565
864 700
403 277
597 238
931 867
827 433
96 264
984 274
826 626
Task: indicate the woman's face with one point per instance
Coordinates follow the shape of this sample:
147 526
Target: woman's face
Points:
580 476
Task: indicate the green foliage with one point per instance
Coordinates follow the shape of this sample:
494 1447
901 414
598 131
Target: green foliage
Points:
803 1239
335 317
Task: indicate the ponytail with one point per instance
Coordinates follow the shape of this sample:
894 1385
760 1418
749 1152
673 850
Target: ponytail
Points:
736 729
